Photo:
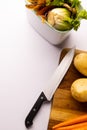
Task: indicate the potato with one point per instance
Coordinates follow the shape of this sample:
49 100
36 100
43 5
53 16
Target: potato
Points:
80 63
79 89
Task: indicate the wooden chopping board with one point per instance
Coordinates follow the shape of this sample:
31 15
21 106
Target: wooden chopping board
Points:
64 106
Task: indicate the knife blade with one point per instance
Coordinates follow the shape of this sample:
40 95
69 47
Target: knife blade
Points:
48 92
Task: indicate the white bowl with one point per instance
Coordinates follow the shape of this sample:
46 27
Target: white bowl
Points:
49 33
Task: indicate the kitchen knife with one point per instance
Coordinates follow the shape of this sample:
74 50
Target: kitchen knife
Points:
51 87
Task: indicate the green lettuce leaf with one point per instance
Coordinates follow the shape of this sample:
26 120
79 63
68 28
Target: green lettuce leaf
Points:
74 20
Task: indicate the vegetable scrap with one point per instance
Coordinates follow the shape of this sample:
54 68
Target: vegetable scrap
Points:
63 15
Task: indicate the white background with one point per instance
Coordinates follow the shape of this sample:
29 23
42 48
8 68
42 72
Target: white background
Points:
26 63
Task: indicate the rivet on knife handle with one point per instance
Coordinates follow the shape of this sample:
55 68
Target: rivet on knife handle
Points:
34 110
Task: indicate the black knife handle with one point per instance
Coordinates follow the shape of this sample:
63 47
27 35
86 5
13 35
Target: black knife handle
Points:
34 110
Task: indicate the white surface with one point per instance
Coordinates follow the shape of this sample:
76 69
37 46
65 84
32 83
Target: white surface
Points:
26 63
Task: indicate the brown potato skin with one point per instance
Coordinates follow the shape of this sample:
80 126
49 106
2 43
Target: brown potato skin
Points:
79 89
80 63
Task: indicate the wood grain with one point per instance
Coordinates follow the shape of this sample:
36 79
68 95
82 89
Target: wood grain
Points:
64 106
